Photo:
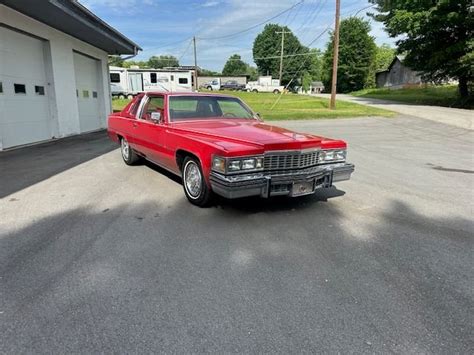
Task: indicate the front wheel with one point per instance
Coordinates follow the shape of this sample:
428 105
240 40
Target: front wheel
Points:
194 184
276 91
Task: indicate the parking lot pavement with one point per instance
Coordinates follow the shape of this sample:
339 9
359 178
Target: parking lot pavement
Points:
102 257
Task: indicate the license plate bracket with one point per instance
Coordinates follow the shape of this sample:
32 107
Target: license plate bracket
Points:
302 188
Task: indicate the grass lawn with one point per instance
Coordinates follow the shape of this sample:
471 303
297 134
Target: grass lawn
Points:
294 107
445 95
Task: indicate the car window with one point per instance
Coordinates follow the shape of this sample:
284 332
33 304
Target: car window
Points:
134 108
202 107
154 104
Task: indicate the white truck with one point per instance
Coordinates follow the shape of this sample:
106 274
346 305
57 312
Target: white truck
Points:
265 84
128 82
214 84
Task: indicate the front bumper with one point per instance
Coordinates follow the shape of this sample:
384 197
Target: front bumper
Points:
267 184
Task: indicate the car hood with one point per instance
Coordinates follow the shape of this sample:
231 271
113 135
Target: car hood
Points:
228 132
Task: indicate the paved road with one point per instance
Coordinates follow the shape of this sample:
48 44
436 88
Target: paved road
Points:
453 116
101 257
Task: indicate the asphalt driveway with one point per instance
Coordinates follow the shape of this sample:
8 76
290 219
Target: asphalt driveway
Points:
96 256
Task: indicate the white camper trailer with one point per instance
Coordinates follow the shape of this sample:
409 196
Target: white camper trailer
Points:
127 82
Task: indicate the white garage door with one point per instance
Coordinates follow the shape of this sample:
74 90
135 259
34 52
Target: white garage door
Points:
87 91
24 104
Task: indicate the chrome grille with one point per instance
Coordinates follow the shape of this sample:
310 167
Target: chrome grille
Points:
290 160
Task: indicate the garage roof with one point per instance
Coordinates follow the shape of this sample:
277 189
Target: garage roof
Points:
72 18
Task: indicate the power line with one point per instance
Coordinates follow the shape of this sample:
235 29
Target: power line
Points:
187 48
312 16
254 26
282 33
284 56
288 15
295 14
301 66
364 8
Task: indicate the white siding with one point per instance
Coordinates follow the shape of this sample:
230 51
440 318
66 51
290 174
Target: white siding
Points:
59 73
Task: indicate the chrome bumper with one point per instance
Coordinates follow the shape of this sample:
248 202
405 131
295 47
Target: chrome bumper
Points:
267 184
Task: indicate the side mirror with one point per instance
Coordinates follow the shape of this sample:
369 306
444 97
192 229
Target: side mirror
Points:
156 117
258 117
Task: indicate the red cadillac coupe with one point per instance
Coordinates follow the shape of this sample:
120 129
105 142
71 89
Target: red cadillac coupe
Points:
218 145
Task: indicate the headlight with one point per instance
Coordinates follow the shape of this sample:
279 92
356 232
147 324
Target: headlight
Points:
233 165
218 164
333 155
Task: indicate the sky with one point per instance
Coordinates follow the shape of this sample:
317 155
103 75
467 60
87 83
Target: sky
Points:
165 27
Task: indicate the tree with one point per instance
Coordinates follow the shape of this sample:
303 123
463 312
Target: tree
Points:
268 44
306 81
436 37
252 73
206 72
141 64
115 60
235 66
315 64
162 61
384 56
357 52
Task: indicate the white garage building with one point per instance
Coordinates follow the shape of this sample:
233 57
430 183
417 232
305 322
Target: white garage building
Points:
54 79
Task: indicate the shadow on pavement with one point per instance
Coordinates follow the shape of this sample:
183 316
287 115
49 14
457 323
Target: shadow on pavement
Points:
27 166
190 280
252 205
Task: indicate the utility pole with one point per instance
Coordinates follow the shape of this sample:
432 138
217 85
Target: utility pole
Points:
281 52
195 66
332 104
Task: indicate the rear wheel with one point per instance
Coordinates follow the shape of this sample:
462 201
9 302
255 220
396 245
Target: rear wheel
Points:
209 88
254 90
129 97
194 184
128 154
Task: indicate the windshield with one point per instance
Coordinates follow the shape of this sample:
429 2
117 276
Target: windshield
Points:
203 107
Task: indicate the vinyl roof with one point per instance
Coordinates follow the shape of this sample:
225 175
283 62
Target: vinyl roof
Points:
70 17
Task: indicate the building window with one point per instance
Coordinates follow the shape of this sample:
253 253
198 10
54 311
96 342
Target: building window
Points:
153 78
20 88
39 90
183 80
77 93
94 94
172 77
85 94
114 77
1 88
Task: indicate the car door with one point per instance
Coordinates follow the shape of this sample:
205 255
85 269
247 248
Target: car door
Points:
149 134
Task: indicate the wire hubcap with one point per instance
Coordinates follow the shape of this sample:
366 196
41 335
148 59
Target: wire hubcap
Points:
192 179
125 149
